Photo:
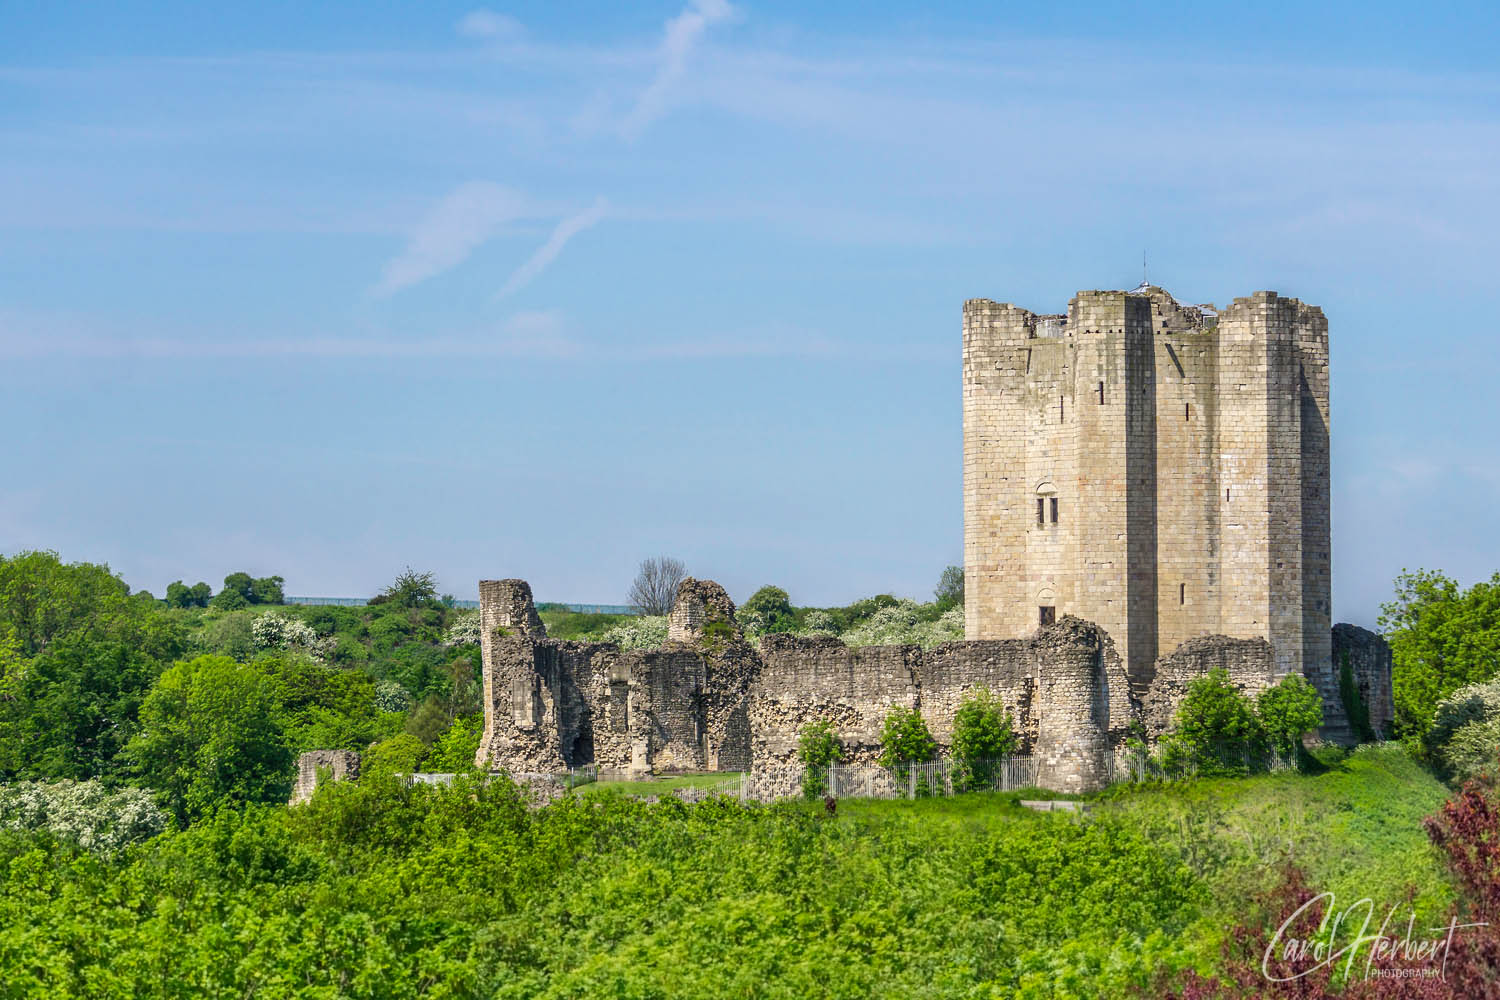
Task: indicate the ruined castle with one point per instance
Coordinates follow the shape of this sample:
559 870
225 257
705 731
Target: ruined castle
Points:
1145 500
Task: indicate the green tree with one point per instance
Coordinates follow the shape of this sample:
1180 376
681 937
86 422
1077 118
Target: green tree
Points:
238 592
1286 711
772 606
400 754
267 590
43 599
428 720
74 708
179 595
456 747
1215 730
818 748
905 738
411 589
950 588
982 732
211 732
1442 638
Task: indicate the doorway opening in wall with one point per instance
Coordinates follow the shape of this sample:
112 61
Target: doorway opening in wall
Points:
1047 614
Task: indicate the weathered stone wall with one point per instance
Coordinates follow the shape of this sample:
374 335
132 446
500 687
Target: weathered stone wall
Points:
712 702
699 604
949 673
337 765
1250 664
1187 455
507 605
804 679
1369 658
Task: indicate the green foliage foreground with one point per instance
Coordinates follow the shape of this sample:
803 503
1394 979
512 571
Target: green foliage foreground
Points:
376 890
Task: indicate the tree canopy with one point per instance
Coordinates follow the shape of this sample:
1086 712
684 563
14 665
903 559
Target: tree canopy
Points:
1442 638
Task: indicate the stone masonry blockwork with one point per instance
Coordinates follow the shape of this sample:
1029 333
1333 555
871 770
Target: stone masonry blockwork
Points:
1157 468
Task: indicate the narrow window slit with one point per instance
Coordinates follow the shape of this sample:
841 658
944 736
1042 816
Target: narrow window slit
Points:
1054 510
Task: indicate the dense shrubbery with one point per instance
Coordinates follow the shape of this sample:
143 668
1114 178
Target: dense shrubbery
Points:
982 732
1218 730
818 748
905 738
210 705
378 890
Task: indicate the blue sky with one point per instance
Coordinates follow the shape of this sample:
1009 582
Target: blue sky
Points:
540 289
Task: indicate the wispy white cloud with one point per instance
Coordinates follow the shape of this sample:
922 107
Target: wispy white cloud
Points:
526 334
489 26
463 220
541 334
680 37
547 252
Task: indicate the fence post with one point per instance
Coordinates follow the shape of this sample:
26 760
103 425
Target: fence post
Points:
832 791
911 779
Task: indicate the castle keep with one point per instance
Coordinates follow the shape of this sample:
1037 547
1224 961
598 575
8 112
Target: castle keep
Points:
1156 468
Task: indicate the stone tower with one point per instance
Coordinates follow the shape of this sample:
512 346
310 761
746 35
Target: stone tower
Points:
1160 469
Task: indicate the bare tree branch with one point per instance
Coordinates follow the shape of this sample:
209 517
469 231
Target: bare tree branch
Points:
655 586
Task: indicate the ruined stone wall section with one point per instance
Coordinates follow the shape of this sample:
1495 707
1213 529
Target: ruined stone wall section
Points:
1369 657
668 723
699 604
1250 664
1007 668
334 765
804 679
507 604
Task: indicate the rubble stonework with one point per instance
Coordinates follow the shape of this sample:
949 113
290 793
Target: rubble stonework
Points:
337 765
698 605
1249 663
719 704
1157 468
1369 658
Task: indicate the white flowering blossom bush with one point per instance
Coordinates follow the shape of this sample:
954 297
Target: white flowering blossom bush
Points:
752 625
900 624
1465 733
463 630
819 623
645 632
82 812
390 696
275 630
